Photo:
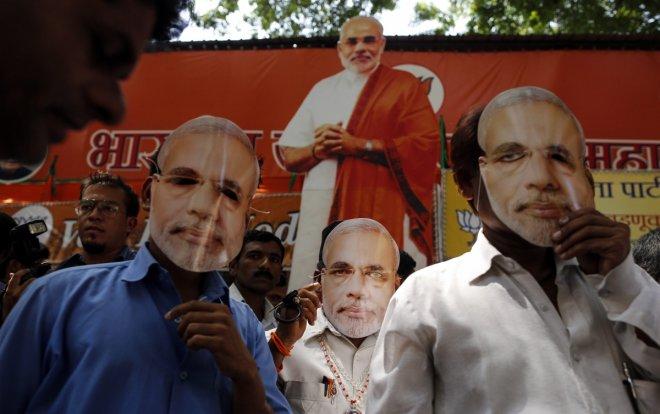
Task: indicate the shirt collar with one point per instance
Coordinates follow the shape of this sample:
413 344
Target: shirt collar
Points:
214 287
484 254
269 317
358 77
481 256
322 323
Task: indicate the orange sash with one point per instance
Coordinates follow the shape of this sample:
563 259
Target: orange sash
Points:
393 108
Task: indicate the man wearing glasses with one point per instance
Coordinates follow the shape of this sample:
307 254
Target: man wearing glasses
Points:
158 333
368 141
107 213
327 370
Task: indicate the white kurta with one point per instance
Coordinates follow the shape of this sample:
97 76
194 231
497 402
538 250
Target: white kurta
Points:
477 334
304 370
269 321
330 101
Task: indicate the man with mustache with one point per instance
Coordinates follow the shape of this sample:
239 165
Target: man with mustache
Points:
63 62
158 333
325 366
547 313
366 138
256 271
107 214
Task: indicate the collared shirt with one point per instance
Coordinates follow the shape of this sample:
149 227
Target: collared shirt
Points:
303 372
77 260
268 322
477 334
94 339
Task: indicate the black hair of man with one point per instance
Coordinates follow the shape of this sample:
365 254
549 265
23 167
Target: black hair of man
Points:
406 265
324 235
465 149
6 224
646 253
168 23
106 179
260 236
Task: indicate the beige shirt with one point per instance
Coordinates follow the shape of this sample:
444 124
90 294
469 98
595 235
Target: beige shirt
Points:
268 322
477 334
304 370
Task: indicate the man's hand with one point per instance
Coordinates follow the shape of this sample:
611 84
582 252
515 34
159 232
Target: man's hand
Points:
210 326
599 243
290 333
332 140
14 291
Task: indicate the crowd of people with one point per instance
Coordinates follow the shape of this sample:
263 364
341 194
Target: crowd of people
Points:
547 312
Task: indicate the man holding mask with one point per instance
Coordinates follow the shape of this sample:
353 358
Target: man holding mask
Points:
547 312
327 370
158 333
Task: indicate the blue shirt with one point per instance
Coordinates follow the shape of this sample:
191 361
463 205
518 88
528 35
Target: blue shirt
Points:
93 339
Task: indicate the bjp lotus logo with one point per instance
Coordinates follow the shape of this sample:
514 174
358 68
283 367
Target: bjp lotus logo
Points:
469 223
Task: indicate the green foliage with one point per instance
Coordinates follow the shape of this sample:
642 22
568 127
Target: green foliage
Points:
293 17
520 17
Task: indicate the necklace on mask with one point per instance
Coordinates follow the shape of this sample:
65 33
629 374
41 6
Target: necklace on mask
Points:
354 399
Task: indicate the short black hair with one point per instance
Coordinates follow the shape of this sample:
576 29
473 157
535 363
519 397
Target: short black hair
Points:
262 237
406 265
168 22
324 235
646 252
106 179
7 223
465 149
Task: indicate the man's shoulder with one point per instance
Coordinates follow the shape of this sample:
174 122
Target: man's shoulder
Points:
70 277
442 273
327 84
399 75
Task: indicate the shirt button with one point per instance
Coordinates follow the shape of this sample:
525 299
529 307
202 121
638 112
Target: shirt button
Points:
183 375
545 308
605 293
177 320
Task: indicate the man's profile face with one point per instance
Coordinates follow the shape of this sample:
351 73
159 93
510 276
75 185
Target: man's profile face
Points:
358 282
259 267
63 63
360 46
107 225
199 203
533 169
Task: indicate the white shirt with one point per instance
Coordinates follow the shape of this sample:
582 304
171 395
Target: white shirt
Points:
269 321
304 370
477 334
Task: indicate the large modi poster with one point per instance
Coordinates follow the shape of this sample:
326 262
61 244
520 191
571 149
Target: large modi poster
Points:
612 93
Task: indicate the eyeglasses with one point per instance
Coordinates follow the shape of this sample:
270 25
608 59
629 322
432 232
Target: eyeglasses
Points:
353 41
181 185
105 207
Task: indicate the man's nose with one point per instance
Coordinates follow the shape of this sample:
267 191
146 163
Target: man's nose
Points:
356 284
106 101
204 201
539 173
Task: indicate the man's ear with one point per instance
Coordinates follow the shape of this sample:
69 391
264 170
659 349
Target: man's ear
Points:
14 266
397 282
145 194
131 223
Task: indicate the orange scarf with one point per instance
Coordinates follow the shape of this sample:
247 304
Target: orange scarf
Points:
392 108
